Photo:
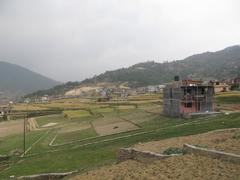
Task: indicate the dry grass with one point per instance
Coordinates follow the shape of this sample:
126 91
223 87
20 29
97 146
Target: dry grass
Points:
230 93
186 167
153 108
229 107
111 125
77 113
30 107
32 124
224 140
138 117
11 127
126 107
106 120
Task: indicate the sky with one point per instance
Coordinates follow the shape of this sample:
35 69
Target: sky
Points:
70 40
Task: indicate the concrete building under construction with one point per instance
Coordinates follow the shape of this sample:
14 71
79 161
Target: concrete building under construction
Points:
185 97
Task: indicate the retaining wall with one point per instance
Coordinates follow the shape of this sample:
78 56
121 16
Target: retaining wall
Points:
52 176
143 156
234 158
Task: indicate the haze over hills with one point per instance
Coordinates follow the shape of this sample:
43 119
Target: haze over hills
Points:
16 81
219 65
223 64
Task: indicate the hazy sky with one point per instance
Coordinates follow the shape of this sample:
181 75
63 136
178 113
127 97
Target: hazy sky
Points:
75 39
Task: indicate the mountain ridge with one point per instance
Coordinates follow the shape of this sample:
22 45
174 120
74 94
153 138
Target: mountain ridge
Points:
16 80
207 65
219 65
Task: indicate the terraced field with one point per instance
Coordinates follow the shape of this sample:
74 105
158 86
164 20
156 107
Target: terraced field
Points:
186 167
89 136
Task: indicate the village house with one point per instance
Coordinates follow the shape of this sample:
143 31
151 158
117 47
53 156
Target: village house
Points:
184 97
233 83
45 99
5 110
220 86
161 87
152 89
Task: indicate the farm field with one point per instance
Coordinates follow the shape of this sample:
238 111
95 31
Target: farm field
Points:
228 101
183 167
199 167
221 140
88 134
231 97
15 127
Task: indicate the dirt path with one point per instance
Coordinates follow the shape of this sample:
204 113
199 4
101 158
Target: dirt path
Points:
32 124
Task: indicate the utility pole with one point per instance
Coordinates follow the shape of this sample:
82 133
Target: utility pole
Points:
24 135
24 131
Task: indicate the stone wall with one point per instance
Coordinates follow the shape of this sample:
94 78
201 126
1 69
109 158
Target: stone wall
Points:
143 156
53 176
234 158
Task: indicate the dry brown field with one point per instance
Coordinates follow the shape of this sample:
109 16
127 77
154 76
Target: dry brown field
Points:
12 127
186 167
222 140
112 125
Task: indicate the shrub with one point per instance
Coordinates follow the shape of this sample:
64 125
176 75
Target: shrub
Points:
173 150
65 116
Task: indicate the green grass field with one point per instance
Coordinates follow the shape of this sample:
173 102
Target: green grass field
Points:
76 113
50 119
75 135
74 144
228 97
15 142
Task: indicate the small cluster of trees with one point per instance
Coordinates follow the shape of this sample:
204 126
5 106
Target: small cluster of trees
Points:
235 87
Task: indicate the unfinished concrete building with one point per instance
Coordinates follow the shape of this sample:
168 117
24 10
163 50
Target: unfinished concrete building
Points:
185 97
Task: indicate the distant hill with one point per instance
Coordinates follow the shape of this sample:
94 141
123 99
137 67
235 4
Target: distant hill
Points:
16 81
56 90
219 65
223 64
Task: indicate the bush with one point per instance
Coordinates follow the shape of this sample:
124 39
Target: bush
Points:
65 116
173 150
